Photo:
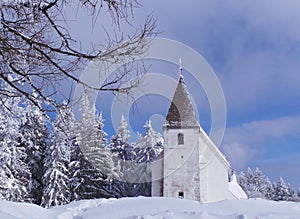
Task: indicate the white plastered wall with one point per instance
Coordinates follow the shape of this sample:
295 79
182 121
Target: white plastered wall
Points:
181 164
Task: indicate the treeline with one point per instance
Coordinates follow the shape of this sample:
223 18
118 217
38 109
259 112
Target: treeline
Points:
54 163
257 185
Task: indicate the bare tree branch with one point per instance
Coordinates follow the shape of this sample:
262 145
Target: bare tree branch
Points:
37 51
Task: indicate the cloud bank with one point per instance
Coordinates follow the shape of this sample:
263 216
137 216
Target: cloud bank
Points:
267 139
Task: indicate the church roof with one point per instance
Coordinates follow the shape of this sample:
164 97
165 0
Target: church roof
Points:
181 112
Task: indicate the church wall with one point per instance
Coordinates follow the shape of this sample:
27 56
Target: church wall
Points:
213 172
195 168
157 177
181 164
218 181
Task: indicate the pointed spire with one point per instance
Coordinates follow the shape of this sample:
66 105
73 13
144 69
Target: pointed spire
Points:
180 72
181 112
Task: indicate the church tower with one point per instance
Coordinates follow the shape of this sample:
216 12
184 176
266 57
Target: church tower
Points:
181 151
191 166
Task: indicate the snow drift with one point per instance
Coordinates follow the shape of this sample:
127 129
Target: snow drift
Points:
151 208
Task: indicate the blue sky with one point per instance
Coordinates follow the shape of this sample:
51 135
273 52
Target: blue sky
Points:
254 49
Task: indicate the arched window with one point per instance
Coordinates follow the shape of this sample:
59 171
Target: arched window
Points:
180 138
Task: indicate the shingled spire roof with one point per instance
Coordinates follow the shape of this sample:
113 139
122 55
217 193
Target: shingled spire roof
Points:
181 112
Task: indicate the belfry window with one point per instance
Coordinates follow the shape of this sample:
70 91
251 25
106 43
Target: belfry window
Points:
180 138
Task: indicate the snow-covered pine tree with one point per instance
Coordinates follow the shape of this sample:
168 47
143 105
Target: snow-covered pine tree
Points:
101 158
147 149
123 134
255 184
34 137
77 160
96 166
283 191
124 160
149 145
14 172
119 145
56 177
298 194
242 181
270 191
259 186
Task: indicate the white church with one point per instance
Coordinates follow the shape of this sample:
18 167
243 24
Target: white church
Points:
191 166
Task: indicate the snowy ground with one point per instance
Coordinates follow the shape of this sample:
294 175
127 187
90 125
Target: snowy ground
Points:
154 208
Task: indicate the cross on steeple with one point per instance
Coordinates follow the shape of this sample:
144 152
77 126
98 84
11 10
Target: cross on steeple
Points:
180 71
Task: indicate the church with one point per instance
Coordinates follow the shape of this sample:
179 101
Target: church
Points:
191 166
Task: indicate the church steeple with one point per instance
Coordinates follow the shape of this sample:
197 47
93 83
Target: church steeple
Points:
181 112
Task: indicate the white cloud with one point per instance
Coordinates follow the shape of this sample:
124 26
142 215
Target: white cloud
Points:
265 129
252 46
238 154
244 142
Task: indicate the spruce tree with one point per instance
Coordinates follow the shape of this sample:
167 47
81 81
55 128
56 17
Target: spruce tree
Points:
34 137
56 177
14 172
259 186
124 161
96 166
283 191
149 145
77 160
298 194
270 191
255 184
119 145
242 181
147 149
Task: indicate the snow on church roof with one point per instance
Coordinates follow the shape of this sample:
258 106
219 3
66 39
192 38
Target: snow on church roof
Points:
181 112
235 189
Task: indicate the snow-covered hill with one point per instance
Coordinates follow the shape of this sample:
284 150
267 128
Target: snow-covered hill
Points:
152 208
